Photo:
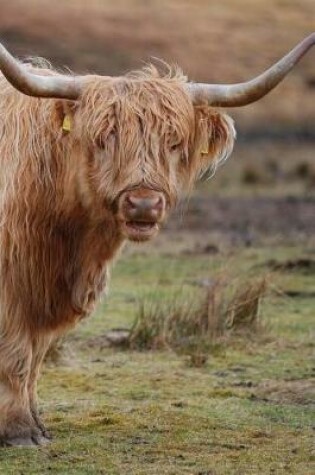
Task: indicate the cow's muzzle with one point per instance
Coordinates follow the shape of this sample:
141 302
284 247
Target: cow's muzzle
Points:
140 213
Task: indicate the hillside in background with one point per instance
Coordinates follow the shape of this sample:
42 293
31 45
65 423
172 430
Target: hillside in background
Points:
214 41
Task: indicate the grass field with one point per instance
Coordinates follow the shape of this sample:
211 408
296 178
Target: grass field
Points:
249 410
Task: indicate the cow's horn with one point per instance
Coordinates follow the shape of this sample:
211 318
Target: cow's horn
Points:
21 77
235 95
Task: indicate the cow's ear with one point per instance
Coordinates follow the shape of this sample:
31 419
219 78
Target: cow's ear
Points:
64 113
214 136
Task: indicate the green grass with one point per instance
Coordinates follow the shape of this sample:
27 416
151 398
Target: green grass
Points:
247 411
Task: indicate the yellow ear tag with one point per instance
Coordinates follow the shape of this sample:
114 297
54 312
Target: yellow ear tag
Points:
66 125
205 149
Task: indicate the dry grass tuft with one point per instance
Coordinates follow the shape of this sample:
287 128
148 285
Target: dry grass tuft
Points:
197 326
243 310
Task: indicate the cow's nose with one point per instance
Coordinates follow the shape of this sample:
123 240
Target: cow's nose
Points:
144 207
144 204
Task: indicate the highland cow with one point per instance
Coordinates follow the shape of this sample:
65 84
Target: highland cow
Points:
88 162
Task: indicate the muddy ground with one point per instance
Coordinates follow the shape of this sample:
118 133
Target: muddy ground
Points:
247 220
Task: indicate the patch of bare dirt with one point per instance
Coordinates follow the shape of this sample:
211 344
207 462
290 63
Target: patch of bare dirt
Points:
287 392
303 264
248 220
117 337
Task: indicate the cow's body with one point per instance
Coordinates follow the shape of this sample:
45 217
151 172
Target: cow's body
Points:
86 164
61 217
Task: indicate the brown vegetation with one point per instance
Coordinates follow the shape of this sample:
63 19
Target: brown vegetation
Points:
195 325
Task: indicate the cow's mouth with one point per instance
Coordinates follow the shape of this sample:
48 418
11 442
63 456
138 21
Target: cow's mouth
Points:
140 230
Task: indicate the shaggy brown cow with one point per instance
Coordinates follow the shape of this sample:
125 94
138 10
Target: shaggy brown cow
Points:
87 163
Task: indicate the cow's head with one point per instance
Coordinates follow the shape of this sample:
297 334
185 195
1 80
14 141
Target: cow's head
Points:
141 140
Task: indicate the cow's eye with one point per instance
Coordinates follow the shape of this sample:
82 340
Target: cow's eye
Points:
175 146
112 133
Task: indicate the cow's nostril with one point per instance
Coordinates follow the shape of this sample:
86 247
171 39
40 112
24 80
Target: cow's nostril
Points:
158 202
131 201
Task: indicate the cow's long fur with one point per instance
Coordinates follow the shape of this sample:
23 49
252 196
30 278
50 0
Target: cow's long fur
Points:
58 191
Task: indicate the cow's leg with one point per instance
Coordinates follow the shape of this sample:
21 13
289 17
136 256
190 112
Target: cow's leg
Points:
17 425
40 347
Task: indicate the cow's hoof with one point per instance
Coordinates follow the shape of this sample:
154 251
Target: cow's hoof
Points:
29 440
44 432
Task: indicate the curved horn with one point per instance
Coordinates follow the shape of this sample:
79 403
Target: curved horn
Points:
63 87
241 94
